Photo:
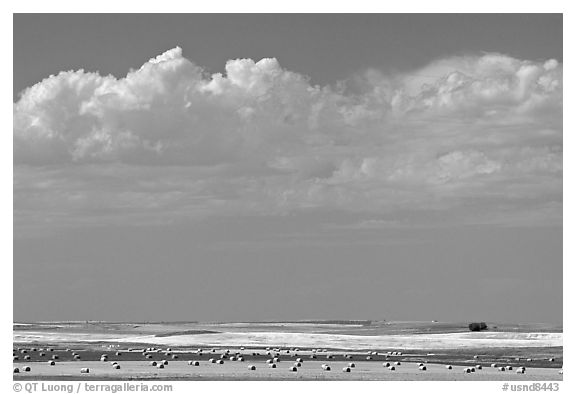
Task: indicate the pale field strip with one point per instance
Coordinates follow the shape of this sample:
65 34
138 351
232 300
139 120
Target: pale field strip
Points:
459 340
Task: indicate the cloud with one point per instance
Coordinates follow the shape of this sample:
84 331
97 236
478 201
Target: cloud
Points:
474 137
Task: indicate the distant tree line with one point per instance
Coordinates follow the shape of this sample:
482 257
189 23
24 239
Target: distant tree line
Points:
477 326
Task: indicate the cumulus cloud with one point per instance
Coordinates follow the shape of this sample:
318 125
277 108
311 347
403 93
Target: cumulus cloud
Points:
473 136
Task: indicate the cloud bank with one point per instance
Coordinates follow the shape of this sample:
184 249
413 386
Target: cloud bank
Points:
467 139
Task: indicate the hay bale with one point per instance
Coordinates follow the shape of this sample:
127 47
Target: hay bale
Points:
232 358
293 369
165 362
422 368
51 362
386 364
501 369
14 358
329 357
84 370
160 366
174 357
55 357
520 370
528 359
448 366
220 362
118 353
312 356
369 358
297 365
77 357
26 357
26 368
509 367
148 356
351 365
251 368
16 370
116 366
392 368
494 365
551 359
241 359
397 363
478 366
472 369
466 370
212 360
299 360
346 369
153 363
276 359
272 365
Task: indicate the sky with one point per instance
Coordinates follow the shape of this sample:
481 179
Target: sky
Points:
269 167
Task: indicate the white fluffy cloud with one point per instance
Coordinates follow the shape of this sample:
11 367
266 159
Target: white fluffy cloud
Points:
477 137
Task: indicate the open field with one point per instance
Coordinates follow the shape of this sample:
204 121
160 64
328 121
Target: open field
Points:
238 345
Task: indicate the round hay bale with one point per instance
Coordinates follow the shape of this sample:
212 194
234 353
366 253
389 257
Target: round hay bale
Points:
272 365
297 365
165 362
392 368
24 351
528 359
551 359
520 370
212 360
476 357
15 358
501 369
16 370
397 363
42 354
84 370
153 363
26 357
349 357
160 366
241 359
148 356
299 360
448 366
51 362
421 364
313 356
466 370
293 369
386 364
346 369
478 366
561 372
174 357
329 357
269 361
509 367
251 368
369 358
118 353
55 357
494 365
116 366
351 365
327 368
276 359
220 362
232 358
472 369
77 357
26 368
113 363
422 368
